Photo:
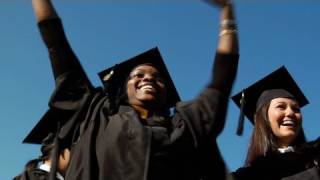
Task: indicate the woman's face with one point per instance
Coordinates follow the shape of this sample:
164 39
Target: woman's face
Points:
285 120
146 87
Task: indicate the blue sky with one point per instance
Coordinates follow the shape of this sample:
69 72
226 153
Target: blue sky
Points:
103 32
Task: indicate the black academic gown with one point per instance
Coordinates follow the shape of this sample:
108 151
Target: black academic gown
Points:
121 146
303 164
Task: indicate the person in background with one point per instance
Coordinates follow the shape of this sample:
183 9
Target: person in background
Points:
39 168
278 148
125 131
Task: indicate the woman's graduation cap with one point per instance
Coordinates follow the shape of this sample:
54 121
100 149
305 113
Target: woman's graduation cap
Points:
277 84
50 125
114 78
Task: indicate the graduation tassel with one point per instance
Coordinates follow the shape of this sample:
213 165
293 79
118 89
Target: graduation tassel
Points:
55 155
241 117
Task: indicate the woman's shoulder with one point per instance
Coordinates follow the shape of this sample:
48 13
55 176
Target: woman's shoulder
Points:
309 148
315 143
247 172
280 164
258 169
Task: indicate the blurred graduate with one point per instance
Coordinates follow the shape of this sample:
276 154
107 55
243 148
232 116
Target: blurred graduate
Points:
126 131
44 133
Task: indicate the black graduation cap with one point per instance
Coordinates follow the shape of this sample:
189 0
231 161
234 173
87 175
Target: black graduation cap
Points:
277 84
48 124
115 77
46 132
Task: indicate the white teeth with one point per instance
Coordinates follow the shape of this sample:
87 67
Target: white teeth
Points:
147 87
288 123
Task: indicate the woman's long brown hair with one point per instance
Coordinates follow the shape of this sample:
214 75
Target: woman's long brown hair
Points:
263 140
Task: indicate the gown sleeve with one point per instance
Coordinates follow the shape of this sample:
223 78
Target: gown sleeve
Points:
73 93
205 115
72 83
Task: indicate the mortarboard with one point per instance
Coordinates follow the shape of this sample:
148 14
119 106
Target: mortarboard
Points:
277 84
49 124
114 78
46 132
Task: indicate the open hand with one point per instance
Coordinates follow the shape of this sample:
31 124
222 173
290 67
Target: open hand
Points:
220 3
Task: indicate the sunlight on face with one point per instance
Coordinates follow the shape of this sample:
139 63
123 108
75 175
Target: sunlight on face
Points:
285 120
146 86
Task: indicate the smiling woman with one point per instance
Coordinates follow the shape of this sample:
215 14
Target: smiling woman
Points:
146 88
125 131
278 147
285 120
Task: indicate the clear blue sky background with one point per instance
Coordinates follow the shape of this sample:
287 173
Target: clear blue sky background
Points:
103 32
